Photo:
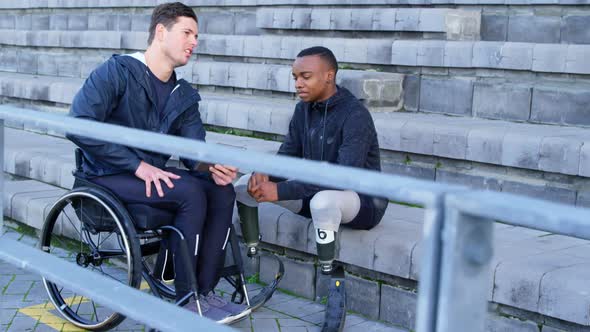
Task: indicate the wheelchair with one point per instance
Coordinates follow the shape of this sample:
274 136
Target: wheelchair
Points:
92 228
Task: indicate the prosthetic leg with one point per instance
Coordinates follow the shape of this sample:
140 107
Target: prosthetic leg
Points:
251 234
335 314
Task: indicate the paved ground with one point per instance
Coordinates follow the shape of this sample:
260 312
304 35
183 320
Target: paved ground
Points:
24 307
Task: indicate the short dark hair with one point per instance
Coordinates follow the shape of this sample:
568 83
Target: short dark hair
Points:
166 14
322 52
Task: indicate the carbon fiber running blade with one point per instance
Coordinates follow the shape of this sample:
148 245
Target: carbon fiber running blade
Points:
266 293
336 305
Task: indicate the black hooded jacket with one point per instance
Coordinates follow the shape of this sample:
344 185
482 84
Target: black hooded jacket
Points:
339 130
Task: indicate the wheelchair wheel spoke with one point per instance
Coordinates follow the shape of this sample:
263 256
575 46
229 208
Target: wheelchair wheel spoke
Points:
95 313
103 241
72 223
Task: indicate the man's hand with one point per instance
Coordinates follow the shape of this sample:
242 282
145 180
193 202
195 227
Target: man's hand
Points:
223 174
255 180
150 174
265 192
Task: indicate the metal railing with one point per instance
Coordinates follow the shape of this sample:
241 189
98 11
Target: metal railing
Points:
453 272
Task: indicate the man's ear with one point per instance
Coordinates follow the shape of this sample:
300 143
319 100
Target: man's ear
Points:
160 31
330 76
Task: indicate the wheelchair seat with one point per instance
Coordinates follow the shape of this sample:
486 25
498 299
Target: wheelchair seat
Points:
144 216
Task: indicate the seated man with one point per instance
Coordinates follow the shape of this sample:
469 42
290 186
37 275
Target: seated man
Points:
329 124
142 91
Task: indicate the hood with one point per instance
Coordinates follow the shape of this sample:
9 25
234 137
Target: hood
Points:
341 96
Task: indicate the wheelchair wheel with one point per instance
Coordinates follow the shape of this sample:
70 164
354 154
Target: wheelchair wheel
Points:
91 229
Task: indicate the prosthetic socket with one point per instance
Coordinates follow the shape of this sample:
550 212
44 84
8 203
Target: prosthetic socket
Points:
249 225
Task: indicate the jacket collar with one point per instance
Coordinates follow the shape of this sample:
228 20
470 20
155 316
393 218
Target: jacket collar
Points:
341 95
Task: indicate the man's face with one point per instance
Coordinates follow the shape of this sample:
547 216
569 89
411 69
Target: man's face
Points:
311 75
179 42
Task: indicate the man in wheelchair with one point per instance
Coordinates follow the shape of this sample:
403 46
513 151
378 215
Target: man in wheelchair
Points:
143 91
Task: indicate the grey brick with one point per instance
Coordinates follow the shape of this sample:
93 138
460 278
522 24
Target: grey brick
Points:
23 22
399 237
292 231
470 180
58 22
103 22
47 64
279 78
463 24
561 154
418 172
583 199
27 63
218 23
574 29
89 63
503 55
546 192
22 200
123 22
521 149
133 40
458 54
252 47
577 61
282 18
407 19
7 22
320 19
78 22
362 296
357 247
246 24
584 169
494 27
560 106
40 22
517 280
411 92
389 130
257 77
487 54
550 58
342 19
361 19
384 19
404 53
398 307
140 22
264 17
356 50
299 276
237 75
418 137
534 29
432 19
450 141
218 74
485 143
68 65
8 60
565 300
499 101
450 96
301 18
502 324
431 53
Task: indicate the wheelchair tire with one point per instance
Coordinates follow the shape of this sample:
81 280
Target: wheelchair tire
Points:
92 229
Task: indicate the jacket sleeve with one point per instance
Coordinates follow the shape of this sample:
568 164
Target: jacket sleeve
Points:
95 101
293 146
192 127
356 131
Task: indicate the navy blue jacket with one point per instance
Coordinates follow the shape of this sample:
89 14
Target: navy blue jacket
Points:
119 92
339 130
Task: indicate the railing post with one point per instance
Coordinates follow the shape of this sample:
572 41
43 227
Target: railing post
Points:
430 267
2 176
465 267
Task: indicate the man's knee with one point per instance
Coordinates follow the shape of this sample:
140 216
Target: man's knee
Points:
322 201
187 189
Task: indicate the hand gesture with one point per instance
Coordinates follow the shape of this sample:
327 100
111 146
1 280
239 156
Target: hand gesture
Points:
256 179
150 174
223 174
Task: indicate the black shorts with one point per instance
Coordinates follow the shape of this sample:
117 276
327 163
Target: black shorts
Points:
365 219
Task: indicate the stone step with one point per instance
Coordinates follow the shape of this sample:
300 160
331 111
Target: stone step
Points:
568 27
536 57
376 88
361 19
528 268
530 146
54 4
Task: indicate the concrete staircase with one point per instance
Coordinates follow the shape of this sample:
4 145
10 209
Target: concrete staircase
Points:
492 94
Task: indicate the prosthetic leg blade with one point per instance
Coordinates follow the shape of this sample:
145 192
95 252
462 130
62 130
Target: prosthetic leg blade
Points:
266 293
336 306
